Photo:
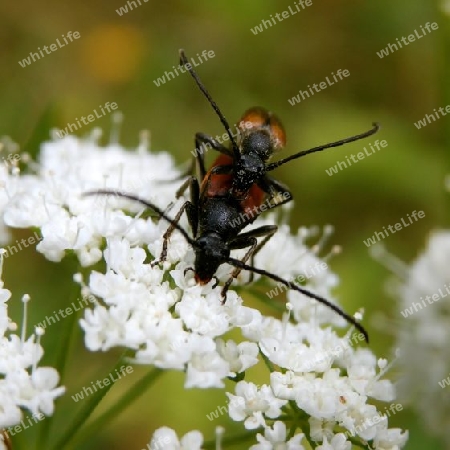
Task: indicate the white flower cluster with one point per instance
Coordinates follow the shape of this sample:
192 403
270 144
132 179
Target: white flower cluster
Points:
318 379
23 385
424 334
50 199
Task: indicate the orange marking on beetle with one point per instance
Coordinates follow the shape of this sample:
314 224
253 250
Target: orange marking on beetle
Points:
219 185
259 118
255 117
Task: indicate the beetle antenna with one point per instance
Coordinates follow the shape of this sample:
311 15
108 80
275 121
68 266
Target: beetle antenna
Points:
357 137
146 203
350 319
201 86
234 262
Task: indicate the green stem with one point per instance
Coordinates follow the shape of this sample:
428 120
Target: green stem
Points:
85 412
267 361
285 418
244 437
279 306
291 431
129 397
358 443
67 339
301 421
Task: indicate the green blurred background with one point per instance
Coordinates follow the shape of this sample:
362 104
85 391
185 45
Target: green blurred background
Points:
117 58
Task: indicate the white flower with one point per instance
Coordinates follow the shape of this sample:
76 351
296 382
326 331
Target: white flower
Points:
251 404
51 199
302 266
17 355
37 392
205 316
23 385
424 333
240 356
275 438
206 370
335 398
9 172
391 439
167 320
302 347
165 438
338 442
363 376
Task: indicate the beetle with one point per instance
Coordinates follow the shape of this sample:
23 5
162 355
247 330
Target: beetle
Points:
260 135
231 196
216 223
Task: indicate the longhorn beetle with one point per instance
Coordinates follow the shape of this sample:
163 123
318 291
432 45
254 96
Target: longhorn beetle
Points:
216 226
260 135
234 189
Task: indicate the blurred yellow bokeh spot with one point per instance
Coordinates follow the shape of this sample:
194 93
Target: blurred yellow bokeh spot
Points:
112 53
